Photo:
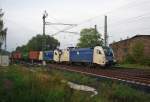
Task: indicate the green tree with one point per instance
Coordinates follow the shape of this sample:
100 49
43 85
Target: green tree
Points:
3 31
35 44
90 38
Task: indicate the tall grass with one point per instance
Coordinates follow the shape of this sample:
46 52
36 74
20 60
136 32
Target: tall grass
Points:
21 85
109 91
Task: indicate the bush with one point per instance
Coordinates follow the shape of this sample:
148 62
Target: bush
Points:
146 61
137 55
137 52
129 59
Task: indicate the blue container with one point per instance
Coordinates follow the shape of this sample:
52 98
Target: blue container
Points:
81 55
48 55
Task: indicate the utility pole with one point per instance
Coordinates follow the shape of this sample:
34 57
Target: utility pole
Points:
5 44
105 32
44 23
95 27
5 39
44 39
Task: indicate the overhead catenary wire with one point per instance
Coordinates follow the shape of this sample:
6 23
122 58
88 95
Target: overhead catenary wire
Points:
129 20
90 19
105 13
116 23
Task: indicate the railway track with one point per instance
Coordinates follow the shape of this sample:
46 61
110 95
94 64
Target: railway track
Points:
133 76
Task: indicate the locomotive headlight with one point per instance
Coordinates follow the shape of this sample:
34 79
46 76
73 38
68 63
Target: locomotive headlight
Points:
115 60
106 60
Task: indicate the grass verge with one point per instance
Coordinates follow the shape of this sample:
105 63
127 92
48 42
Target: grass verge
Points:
109 91
21 84
137 66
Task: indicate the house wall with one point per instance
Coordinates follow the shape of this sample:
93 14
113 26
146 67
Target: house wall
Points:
124 47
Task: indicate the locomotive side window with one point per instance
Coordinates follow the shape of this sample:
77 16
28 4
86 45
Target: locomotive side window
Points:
100 52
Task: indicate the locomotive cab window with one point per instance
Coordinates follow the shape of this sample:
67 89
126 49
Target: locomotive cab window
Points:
99 52
61 53
55 53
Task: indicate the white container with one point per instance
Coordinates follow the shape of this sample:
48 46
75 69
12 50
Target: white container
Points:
4 60
41 56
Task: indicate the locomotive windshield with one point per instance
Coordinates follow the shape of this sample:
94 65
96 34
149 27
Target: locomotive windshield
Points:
108 51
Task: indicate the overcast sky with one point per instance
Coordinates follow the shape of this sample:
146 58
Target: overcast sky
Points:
23 18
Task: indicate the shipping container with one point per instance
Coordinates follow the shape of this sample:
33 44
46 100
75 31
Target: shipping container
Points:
41 56
34 55
4 60
25 55
48 55
81 55
16 55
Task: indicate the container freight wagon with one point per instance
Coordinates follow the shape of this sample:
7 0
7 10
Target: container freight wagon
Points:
15 57
81 55
48 55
